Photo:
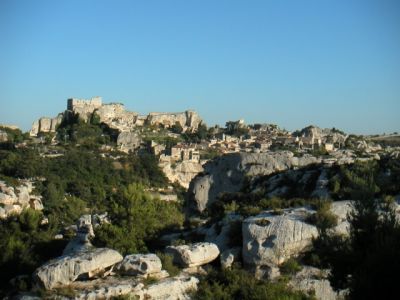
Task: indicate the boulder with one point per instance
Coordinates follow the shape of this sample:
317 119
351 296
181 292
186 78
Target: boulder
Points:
228 257
66 269
128 141
35 202
193 255
341 209
270 239
314 281
140 264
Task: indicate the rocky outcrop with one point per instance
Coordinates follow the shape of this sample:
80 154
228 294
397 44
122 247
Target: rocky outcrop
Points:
171 288
193 255
324 135
227 174
176 288
321 186
116 117
270 239
182 172
189 120
66 269
46 125
15 200
128 141
314 281
342 209
140 264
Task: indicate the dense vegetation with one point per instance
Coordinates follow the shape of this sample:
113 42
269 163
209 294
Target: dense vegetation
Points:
137 218
367 261
79 180
239 284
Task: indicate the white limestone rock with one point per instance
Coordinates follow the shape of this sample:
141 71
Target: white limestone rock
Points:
176 288
182 172
270 239
341 209
140 264
227 173
313 280
228 257
66 269
18 199
193 255
128 141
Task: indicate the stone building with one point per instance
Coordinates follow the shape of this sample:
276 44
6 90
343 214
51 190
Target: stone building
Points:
185 152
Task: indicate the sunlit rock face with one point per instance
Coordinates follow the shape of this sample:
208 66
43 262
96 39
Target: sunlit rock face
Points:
228 173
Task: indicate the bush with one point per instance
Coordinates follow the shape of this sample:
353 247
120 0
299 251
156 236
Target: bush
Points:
290 267
167 264
137 218
323 219
25 244
367 261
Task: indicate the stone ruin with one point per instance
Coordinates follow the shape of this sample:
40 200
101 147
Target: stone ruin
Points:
115 116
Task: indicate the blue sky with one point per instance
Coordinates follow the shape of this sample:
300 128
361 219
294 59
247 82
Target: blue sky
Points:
293 63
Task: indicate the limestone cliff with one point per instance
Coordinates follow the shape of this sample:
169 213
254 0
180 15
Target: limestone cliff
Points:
227 174
182 172
46 125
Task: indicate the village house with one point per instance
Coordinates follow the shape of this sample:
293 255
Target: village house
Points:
185 152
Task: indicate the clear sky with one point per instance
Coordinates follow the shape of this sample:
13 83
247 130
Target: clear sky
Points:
293 63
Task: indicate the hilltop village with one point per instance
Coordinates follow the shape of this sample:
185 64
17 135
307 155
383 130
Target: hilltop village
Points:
102 203
183 143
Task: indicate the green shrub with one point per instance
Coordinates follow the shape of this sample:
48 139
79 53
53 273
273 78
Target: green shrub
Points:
167 264
323 219
238 284
136 218
290 267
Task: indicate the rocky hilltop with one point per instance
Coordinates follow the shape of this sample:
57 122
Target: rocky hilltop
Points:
116 116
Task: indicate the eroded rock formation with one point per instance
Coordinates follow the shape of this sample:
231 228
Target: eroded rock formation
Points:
227 174
15 200
193 255
66 269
